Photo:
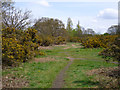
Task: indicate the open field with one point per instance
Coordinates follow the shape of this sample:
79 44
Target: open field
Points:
43 71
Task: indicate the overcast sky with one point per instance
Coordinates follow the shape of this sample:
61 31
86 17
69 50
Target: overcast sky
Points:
96 14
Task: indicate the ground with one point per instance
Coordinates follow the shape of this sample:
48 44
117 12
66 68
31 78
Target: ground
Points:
63 66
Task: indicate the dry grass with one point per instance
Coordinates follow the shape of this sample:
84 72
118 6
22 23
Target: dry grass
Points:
11 81
107 77
47 47
45 59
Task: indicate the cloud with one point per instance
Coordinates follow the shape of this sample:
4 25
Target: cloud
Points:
43 3
94 20
108 13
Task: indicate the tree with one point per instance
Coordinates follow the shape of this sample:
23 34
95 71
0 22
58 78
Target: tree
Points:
106 34
74 33
12 17
78 29
69 25
6 4
113 30
84 31
50 26
89 31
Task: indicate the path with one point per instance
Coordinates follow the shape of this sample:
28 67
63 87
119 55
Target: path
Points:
59 81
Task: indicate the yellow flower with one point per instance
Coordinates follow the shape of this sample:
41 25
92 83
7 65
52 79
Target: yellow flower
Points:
12 57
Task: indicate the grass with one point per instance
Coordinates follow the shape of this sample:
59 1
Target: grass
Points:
42 75
76 76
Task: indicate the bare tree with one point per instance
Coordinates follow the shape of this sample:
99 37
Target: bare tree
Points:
12 17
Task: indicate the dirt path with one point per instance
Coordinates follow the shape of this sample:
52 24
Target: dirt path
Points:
59 81
74 46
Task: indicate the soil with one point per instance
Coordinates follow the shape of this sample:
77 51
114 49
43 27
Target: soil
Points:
50 47
47 47
61 45
74 46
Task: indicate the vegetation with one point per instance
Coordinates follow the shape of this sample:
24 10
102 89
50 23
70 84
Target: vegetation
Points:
14 18
53 28
42 74
24 45
77 76
69 25
19 46
112 51
98 41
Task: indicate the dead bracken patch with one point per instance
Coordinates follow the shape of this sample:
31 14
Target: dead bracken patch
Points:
11 81
111 71
107 77
46 59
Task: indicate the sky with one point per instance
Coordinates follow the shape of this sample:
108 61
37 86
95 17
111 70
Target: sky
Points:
96 14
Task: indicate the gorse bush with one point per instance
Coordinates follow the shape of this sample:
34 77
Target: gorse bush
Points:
50 40
112 51
74 39
12 51
46 40
59 40
19 46
98 41
22 45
